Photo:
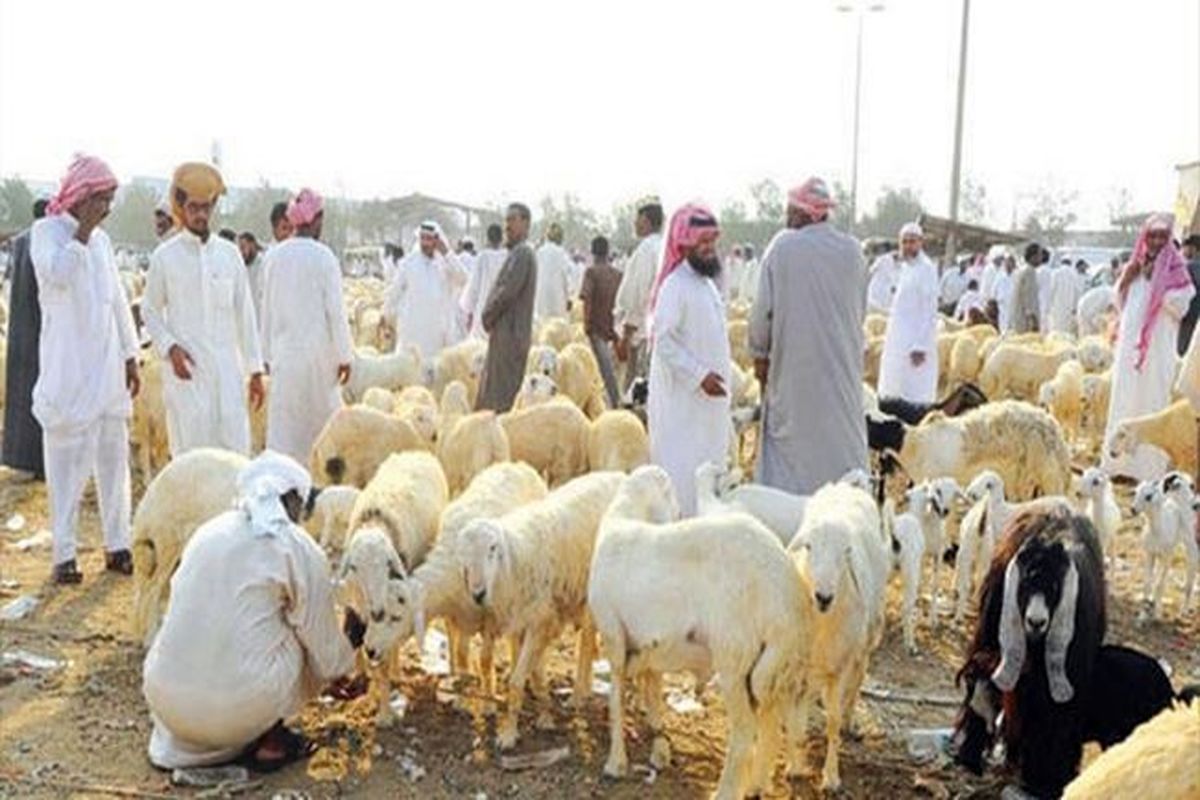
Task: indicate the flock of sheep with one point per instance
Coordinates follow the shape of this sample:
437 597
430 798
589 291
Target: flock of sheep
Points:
520 526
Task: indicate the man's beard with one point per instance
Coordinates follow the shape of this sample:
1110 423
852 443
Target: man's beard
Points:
708 267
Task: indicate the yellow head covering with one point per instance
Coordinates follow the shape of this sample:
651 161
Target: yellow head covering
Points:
195 180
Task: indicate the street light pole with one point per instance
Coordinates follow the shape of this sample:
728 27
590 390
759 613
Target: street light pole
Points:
956 169
859 9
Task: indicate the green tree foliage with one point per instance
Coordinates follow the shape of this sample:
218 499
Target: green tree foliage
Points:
16 206
893 208
1053 212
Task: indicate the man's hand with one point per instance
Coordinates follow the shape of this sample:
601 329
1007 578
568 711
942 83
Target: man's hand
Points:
258 392
713 385
181 362
621 348
343 374
917 357
761 367
90 213
441 246
133 381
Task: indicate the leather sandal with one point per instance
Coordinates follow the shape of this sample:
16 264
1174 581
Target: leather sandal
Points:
119 561
66 573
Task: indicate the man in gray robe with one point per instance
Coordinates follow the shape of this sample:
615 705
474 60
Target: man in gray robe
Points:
508 317
22 446
806 338
1026 300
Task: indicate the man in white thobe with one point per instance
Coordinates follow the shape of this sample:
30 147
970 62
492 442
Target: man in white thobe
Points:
881 287
632 307
751 273
1002 295
690 364
733 269
200 316
1154 291
553 278
1067 285
252 256
88 365
306 337
953 284
422 300
908 367
483 277
251 633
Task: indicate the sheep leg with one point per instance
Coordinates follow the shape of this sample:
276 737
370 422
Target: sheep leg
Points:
1191 549
857 674
528 660
385 717
1162 567
652 695
617 765
460 650
741 737
832 696
963 570
766 750
1148 577
935 595
583 667
487 664
911 579
797 735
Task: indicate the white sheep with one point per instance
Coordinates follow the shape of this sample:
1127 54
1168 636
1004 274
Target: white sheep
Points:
380 399
461 362
718 492
931 503
908 549
843 563
542 360
1095 310
329 511
148 424
393 372
977 536
474 443
536 389
1095 354
702 595
1172 430
192 489
355 441
529 568
578 378
552 438
1100 506
1062 396
1017 370
617 440
1170 523
1094 403
436 588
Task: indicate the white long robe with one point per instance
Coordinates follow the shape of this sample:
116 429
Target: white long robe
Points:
632 306
687 427
1045 274
881 288
256 274
912 326
1147 391
198 297
751 275
423 301
305 338
1066 288
553 282
479 286
1002 294
250 636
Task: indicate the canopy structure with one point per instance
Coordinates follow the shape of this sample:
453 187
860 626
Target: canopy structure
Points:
971 238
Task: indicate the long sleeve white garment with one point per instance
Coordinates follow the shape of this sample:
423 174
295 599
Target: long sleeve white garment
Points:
912 326
1002 294
250 635
305 337
881 288
422 300
751 273
687 427
479 286
953 284
198 297
1066 287
632 305
256 274
87 330
971 300
1045 274
553 282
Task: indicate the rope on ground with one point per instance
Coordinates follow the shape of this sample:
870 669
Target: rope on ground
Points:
83 786
890 696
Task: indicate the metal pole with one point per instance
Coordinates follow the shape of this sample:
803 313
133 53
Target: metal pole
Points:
857 102
956 169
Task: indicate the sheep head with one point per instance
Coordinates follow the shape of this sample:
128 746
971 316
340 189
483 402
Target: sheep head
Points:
403 616
1148 495
1123 442
648 494
455 399
372 563
824 548
481 551
537 388
987 484
943 494
1040 577
1093 482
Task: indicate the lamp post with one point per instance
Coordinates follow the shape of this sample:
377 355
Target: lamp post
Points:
859 9
956 168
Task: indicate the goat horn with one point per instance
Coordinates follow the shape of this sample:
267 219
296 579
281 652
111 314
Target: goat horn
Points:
1058 637
1011 633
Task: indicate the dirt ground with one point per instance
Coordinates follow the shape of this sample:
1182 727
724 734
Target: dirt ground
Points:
81 731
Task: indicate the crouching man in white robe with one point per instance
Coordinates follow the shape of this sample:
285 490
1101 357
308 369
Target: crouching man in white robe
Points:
690 364
87 352
908 367
199 312
306 338
250 634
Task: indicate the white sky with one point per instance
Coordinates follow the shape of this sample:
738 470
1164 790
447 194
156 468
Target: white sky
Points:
487 101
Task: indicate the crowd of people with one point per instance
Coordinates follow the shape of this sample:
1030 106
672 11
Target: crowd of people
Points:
224 315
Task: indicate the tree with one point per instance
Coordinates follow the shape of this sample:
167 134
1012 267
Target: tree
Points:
768 201
893 208
131 221
16 205
579 223
1051 215
973 206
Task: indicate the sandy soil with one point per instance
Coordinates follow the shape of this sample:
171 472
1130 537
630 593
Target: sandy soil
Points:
81 731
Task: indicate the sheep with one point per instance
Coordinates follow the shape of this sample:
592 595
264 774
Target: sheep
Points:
1040 627
474 443
702 595
1172 430
1095 310
529 568
872 352
453 406
1017 371
542 360
393 372
1020 442
1167 505
1160 759
148 424
931 503
843 565
977 536
417 406
956 403
192 489
535 389
578 378
392 528
965 361
552 438
1093 403
378 398
1100 506
908 549
1062 396
738 331
436 588
556 333
461 362
328 514
1094 354
355 441
717 493
617 441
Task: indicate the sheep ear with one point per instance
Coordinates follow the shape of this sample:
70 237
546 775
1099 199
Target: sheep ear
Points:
1058 637
1012 633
